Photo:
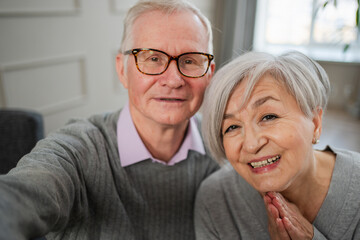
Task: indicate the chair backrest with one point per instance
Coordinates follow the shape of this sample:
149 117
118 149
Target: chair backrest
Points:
19 132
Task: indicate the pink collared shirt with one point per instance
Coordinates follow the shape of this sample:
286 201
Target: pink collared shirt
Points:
132 150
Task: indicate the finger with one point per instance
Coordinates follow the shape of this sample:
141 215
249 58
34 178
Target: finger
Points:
296 225
278 198
272 217
281 230
273 211
290 227
271 194
270 208
281 204
273 222
273 229
275 226
298 232
267 199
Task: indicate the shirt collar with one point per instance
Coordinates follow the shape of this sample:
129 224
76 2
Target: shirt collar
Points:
132 150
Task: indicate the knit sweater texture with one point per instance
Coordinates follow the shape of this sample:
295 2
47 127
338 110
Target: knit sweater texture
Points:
72 186
228 208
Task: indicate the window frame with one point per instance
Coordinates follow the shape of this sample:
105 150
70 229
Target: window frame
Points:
318 51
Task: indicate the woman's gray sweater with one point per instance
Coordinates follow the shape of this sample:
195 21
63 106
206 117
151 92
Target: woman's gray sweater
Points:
228 208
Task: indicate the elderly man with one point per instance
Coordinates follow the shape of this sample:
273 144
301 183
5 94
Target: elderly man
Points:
131 174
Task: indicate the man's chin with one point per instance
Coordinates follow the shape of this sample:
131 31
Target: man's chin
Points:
173 119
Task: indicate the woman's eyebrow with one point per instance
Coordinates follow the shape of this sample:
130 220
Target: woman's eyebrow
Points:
227 116
256 104
261 101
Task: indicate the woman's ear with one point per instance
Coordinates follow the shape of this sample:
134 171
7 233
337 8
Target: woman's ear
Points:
317 120
120 69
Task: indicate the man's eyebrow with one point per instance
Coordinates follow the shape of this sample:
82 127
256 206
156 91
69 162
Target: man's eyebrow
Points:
261 101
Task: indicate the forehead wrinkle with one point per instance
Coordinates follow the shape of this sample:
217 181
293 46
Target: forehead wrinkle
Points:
185 26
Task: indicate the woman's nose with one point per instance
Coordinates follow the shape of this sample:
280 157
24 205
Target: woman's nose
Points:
253 140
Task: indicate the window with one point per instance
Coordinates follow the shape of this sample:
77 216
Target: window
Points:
325 33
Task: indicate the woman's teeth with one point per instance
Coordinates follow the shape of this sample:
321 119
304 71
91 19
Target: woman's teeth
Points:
265 162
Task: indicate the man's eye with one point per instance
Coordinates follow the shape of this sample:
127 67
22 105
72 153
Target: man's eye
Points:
231 128
189 61
154 59
269 117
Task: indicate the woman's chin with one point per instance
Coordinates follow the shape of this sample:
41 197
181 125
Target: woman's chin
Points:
268 188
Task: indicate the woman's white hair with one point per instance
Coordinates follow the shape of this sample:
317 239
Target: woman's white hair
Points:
166 6
304 79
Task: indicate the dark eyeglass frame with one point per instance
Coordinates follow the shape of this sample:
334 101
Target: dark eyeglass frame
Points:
136 51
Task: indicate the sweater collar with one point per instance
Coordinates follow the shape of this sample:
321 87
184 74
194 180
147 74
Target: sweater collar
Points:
132 150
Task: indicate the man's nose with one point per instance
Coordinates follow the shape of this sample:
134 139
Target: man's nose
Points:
172 77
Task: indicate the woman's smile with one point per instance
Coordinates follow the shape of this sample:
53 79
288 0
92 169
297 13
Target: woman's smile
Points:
264 163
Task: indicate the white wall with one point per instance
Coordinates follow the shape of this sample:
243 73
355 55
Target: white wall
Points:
58 57
345 86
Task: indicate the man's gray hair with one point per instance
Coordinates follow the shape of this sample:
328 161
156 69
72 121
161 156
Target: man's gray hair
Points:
166 6
303 78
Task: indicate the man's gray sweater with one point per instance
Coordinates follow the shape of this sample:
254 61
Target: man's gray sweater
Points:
73 186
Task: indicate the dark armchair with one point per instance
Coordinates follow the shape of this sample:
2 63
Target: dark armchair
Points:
19 132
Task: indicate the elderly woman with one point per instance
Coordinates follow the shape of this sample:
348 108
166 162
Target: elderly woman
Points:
263 114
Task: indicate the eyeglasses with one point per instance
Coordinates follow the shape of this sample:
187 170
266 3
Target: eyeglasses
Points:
155 62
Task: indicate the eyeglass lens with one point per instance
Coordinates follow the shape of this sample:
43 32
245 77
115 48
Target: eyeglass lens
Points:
155 62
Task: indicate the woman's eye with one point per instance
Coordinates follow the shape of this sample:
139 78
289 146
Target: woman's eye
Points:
231 128
269 117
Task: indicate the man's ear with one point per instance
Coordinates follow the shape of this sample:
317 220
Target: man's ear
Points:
120 69
317 120
211 72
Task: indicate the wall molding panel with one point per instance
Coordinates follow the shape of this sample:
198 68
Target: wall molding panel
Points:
54 75
39 8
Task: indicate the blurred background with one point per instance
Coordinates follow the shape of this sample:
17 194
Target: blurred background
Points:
58 57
